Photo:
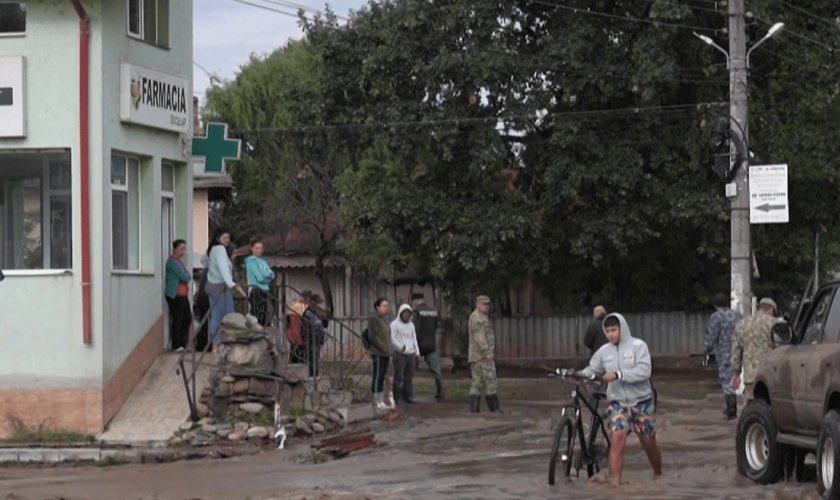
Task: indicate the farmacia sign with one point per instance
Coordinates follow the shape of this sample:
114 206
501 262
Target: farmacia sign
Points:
153 99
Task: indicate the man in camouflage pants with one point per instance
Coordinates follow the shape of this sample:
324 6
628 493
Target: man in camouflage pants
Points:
482 352
719 341
751 343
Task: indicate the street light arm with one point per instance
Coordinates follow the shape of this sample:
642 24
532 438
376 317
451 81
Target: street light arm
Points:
711 42
776 28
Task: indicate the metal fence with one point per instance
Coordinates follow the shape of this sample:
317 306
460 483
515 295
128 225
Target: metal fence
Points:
666 334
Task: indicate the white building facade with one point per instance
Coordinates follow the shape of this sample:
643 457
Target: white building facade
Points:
95 184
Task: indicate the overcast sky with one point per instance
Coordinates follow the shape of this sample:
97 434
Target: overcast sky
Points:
226 32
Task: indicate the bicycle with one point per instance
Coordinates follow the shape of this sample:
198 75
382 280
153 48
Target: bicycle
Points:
589 454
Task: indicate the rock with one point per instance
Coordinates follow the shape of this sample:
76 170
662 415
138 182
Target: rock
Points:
206 420
253 323
336 417
235 321
224 433
207 391
224 389
202 409
186 425
223 426
262 387
310 419
187 436
236 436
246 354
202 440
257 432
303 426
318 427
242 427
241 386
252 407
229 379
287 419
209 428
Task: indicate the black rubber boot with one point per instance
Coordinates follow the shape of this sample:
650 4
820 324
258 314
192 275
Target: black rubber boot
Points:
439 393
475 403
731 410
493 403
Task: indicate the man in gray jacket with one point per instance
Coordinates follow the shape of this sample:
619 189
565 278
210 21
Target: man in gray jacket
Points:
624 362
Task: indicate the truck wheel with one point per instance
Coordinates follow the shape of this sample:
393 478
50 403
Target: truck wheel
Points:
760 457
828 456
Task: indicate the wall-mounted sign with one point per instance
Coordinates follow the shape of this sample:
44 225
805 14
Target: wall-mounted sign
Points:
769 194
12 96
154 99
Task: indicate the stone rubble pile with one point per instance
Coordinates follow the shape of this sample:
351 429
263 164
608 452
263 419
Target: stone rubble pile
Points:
239 402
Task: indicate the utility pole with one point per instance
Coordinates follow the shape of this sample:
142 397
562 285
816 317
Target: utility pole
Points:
741 250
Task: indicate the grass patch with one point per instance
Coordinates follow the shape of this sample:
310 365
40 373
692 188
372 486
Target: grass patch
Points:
457 390
110 461
297 412
21 433
264 418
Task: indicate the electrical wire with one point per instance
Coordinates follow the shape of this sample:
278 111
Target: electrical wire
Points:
605 113
303 7
809 14
267 8
624 18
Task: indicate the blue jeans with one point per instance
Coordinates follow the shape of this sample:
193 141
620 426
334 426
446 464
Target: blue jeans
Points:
221 304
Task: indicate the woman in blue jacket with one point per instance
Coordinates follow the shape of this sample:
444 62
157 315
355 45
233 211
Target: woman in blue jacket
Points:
220 281
260 277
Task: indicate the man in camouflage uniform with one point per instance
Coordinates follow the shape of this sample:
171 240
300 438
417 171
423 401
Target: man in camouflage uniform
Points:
482 352
751 343
719 341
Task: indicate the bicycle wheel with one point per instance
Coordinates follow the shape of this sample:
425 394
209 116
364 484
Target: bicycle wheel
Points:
562 448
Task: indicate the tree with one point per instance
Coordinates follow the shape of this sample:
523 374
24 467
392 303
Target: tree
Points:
286 179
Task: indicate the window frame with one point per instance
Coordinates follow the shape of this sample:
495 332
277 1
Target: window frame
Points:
47 158
826 295
16 33
126 189
158 39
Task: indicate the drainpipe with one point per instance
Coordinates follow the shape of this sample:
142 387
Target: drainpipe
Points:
84 134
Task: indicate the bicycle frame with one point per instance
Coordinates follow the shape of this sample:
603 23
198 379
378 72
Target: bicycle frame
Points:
596 423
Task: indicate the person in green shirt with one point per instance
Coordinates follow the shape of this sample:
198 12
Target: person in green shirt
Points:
260 277
177 294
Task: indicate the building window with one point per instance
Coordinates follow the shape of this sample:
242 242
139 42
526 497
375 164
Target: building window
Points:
12 18
125 213
35 210
148 20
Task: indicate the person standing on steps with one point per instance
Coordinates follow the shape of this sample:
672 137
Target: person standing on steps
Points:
220 282
481 358
406 354
260 277
718 341
177 294
595 338
426 322
380 352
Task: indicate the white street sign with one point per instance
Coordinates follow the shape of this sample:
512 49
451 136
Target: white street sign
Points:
769 194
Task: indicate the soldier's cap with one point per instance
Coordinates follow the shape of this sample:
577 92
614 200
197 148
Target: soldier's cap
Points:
767 301
482 299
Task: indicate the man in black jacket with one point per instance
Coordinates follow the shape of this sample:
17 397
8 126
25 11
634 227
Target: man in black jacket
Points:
425 323
595 337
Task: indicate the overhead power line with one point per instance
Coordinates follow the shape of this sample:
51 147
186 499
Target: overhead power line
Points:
605 113
809 14
267 8
624 18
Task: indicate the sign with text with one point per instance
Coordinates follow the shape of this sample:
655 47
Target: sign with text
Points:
769 194
154 99
12 93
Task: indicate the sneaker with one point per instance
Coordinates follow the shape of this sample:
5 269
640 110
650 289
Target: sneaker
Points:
180 349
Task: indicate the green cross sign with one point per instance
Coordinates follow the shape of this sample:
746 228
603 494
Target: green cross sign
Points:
216 147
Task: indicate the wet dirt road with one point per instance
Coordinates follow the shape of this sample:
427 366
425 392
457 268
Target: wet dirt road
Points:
440 451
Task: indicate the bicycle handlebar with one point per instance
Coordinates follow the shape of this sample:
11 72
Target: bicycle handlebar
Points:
572 373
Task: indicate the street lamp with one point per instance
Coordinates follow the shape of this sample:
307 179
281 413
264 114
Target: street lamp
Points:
776 28
737 61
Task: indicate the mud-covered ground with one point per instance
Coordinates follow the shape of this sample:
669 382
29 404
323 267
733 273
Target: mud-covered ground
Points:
441 451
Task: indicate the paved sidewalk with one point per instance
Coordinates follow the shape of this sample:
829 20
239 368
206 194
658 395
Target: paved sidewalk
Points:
157 406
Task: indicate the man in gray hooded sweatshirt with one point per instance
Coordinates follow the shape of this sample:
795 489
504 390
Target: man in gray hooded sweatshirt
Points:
624 362
406 354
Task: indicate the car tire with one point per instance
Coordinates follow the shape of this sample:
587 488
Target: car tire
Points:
760 456
828 457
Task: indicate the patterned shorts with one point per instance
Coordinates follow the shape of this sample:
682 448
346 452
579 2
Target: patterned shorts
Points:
640 416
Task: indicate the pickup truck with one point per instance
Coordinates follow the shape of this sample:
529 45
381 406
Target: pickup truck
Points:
796 409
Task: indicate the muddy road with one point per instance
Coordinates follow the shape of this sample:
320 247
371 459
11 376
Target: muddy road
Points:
441 451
